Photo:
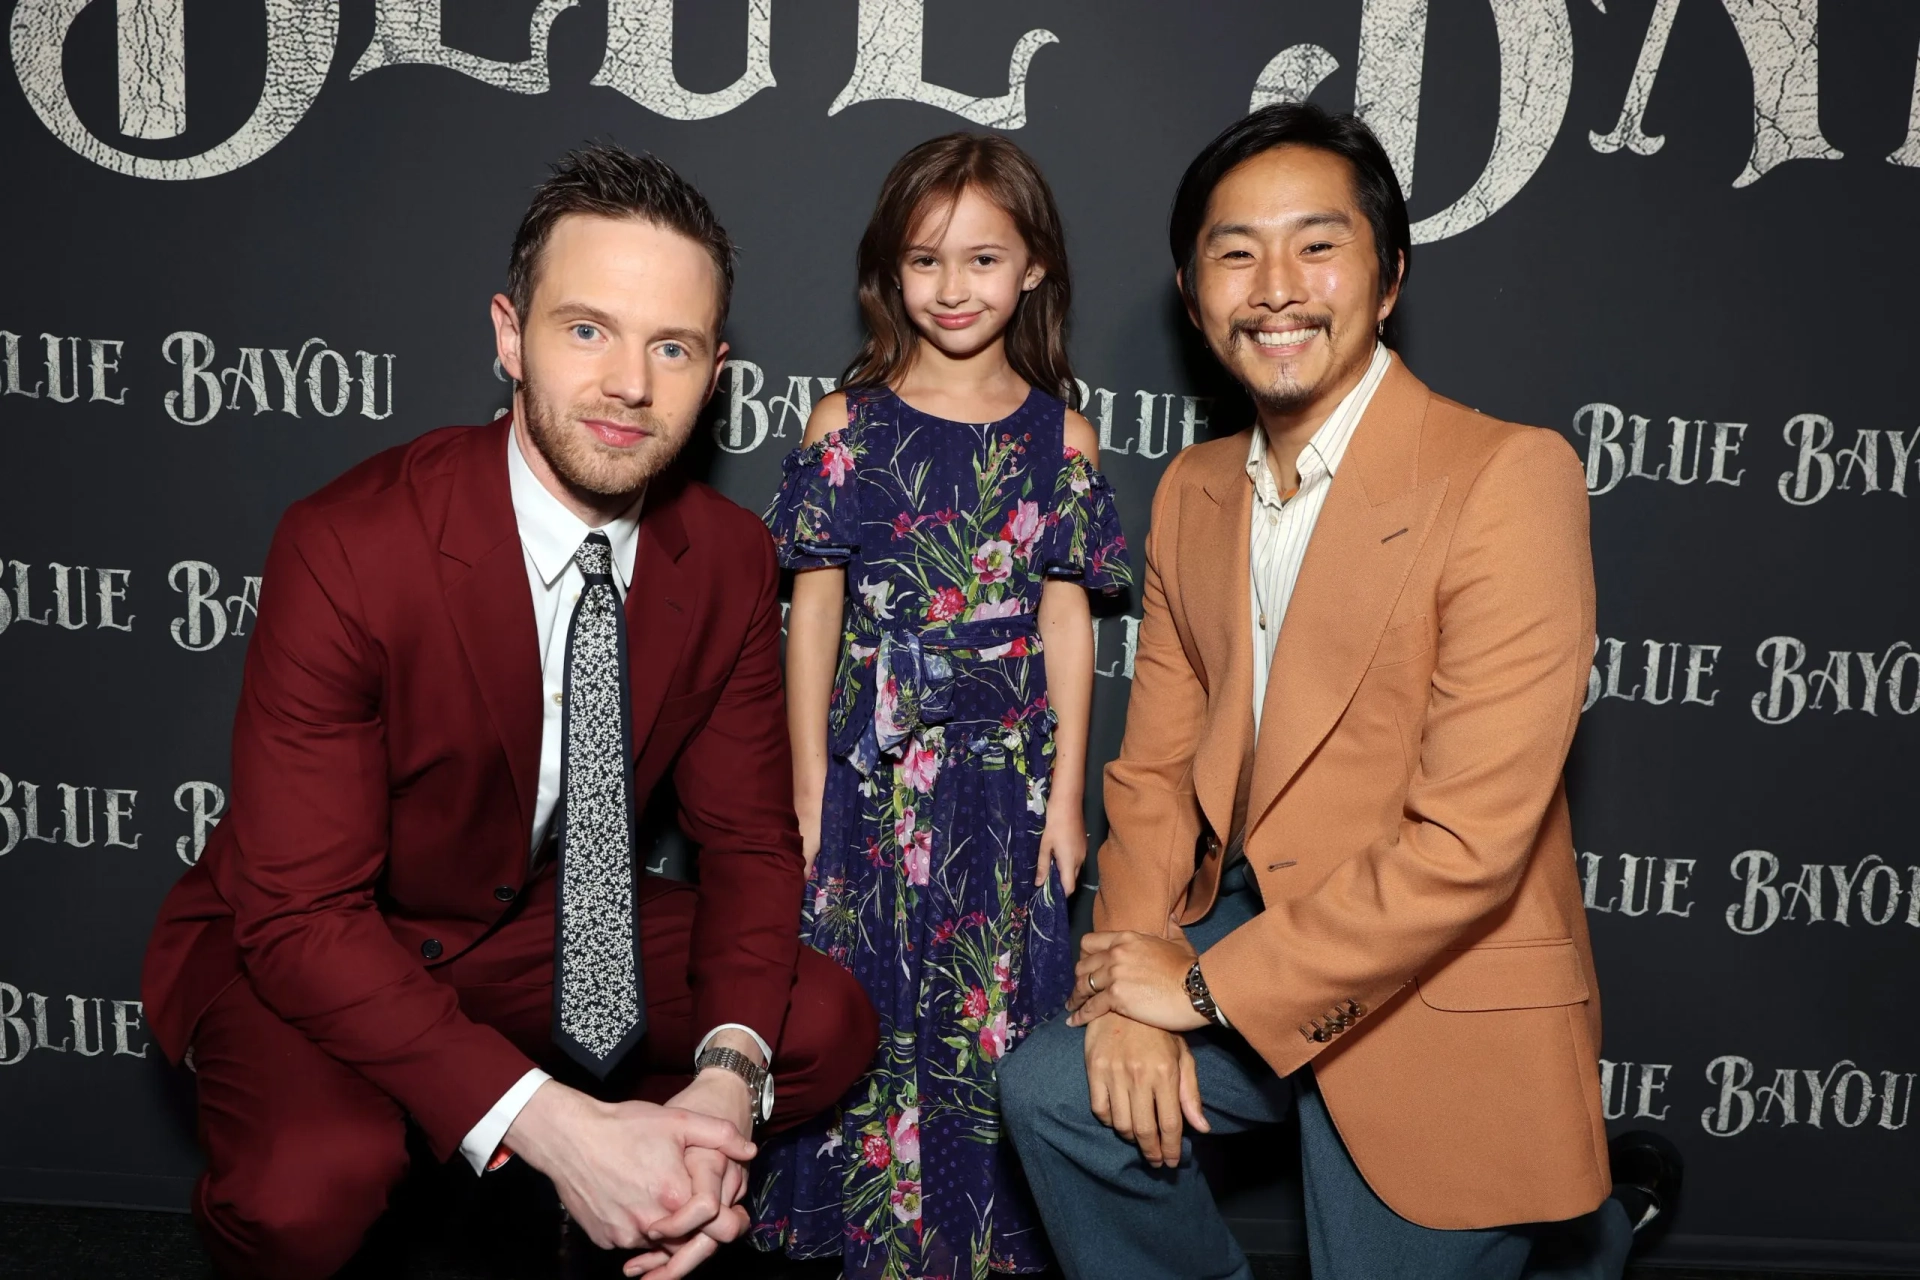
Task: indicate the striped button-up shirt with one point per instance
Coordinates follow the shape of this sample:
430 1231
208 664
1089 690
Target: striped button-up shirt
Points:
1282 525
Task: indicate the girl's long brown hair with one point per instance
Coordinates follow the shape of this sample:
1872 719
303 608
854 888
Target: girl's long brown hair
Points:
936 173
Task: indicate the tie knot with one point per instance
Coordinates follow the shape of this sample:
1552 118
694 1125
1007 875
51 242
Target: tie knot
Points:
595 556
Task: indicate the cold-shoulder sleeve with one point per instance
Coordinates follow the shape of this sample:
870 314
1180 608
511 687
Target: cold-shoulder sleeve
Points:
1083 539
815 518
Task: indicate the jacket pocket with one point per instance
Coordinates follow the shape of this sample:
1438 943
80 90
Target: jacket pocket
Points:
1408 640
689 706
1522 975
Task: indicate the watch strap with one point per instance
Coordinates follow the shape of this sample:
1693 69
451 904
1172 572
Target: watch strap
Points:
1201 998
756 1076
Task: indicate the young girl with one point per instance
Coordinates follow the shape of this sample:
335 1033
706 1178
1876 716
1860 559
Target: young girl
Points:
946 522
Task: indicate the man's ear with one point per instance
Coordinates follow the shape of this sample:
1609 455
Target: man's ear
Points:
719 367
1186 299
1392 297
506 335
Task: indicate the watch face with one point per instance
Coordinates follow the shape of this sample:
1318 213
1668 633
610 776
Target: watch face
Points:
766 1096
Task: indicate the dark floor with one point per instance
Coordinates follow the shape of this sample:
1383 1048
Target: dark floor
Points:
115 1244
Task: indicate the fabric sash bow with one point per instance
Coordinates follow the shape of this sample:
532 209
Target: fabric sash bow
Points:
911 684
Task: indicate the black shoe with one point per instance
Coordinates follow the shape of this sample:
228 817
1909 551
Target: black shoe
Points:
1646 1176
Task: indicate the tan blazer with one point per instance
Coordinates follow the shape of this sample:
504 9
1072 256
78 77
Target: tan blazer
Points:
1423 943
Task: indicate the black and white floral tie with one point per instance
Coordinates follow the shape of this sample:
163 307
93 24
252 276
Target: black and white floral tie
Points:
599 1010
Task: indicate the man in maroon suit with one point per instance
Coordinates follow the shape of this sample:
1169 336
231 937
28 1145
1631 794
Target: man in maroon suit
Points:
475 655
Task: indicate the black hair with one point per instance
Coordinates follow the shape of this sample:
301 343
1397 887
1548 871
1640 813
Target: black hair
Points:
612 182
1375 188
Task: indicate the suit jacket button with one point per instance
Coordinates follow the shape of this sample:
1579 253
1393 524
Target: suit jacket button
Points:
505 893
431 948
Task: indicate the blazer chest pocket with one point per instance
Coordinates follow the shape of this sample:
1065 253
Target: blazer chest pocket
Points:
688 707
1526 975
1403 642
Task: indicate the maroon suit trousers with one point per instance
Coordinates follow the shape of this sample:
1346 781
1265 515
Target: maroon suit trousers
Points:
302 1150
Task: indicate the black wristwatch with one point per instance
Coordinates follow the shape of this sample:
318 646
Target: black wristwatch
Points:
759 1079
1202 998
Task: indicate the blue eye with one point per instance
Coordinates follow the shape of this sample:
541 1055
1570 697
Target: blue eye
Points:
672 350
585 332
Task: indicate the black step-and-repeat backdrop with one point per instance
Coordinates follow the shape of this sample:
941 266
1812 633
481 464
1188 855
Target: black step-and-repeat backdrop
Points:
249 242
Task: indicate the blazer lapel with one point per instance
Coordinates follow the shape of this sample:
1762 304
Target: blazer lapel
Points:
1376 520
1215 555
659 610
485 585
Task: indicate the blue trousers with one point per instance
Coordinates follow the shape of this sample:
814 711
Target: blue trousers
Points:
1109 1214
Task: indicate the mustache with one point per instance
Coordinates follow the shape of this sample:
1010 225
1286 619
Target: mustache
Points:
620 415
1322 320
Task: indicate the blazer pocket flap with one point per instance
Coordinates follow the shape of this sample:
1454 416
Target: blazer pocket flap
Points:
1399 643
1531 975
689 705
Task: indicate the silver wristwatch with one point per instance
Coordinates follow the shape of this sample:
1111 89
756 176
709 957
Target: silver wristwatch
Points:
1201 998
759 1079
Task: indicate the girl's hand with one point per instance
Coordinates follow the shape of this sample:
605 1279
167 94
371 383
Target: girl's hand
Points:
1063 843
809 840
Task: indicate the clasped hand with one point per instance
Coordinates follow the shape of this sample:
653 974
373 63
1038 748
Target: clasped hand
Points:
1137 975
1130 993
663 1179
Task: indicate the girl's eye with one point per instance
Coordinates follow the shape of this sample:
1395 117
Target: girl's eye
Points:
924 260
585 332
985 260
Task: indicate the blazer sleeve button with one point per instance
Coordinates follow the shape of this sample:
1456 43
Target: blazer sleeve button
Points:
431 948
504 893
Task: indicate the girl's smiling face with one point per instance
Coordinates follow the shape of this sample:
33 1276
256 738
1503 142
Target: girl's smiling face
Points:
963 273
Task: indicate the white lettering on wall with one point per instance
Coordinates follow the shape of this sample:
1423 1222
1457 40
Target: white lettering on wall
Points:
1844 1093
639 60
203 803
62 372
91 1026
207 618
1868 892
316 376
1661 671
1890 677
1629 1089
301 35
407 32
888 61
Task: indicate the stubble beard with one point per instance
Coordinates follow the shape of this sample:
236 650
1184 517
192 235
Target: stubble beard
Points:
588 466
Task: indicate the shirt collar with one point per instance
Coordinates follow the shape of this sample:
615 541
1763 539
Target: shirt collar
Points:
552 534
1328 446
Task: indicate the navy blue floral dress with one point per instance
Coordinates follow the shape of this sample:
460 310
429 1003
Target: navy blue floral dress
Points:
941 746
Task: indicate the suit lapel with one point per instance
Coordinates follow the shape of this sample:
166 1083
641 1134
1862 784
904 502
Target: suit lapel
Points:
1376 520
659 608
1215 554
485 583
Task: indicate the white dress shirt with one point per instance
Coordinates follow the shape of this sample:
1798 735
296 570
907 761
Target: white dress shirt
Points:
1282 527
550 536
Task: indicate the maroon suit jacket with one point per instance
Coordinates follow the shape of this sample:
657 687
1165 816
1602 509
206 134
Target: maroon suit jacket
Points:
385 759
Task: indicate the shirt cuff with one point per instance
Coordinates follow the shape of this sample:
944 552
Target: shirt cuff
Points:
766 1053
485 1138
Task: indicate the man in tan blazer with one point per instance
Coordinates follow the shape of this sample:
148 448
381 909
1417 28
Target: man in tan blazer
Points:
1340 882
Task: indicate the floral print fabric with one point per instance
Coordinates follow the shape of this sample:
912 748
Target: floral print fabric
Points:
941 749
